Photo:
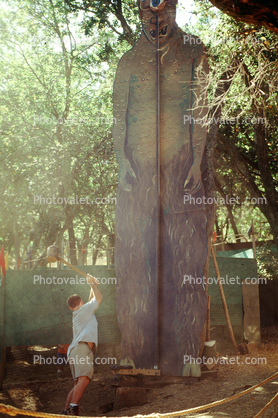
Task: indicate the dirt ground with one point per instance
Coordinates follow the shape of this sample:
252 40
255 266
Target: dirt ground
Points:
36 387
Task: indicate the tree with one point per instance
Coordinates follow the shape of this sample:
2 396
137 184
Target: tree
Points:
57 115
125 24
254 12
243 112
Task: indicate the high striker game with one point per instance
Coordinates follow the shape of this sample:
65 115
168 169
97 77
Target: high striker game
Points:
160 237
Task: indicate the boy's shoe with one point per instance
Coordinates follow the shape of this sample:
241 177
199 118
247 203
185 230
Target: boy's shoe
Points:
73 410
64 412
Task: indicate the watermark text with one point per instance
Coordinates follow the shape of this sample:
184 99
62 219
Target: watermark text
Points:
223 201
39 279
223 280
224 360
39 359
222 121
75 200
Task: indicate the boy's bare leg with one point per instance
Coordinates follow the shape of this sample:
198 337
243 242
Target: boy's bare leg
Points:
69 397
77 391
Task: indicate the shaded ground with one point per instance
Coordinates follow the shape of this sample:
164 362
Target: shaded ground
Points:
36 387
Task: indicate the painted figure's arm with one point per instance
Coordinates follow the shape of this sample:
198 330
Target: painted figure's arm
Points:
120 103
199 115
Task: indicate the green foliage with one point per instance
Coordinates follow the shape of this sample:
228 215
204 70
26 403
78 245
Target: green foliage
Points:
247 58
267 259
58 60
111 16
56 129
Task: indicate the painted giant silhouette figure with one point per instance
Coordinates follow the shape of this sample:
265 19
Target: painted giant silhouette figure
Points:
161 308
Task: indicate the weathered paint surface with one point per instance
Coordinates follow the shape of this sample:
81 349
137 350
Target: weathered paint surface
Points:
153 305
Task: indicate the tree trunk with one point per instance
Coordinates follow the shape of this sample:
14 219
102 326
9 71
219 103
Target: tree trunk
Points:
16 243
207 167
229 208
72 240
267 179
270 209
95 253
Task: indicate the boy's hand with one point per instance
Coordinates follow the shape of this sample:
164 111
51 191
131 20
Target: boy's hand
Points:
92 280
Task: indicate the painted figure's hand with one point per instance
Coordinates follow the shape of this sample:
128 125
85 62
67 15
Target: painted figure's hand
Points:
125 168
193 181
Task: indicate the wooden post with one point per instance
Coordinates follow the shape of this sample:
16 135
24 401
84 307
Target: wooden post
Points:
224 302
28 261
108 253
253 240
2 325
61 266
208 321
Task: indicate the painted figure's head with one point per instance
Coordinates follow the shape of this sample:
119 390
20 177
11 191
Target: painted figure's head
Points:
166 12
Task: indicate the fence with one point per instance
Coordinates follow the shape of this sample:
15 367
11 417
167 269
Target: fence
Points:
36 313
242 300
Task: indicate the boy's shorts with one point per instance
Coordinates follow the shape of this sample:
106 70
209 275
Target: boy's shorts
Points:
81 361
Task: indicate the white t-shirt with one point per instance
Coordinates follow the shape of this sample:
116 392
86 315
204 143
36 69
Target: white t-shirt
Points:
84 324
